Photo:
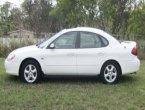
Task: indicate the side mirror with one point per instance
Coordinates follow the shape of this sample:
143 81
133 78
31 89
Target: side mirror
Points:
52 46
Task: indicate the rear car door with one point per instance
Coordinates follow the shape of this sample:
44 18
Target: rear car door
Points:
90 53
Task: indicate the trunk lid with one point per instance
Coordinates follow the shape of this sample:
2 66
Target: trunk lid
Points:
129 43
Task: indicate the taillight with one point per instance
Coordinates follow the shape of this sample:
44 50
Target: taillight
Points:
134 51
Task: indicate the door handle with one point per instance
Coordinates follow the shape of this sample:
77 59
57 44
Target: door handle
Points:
71 54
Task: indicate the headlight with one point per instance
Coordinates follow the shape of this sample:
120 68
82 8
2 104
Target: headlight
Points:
10 57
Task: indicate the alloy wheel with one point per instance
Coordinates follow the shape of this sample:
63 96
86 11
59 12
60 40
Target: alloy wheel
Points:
110 73
30 73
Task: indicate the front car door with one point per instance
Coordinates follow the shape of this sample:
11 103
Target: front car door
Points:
62 59
90 53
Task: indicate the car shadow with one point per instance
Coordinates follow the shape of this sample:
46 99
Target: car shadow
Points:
127 79
73 79
15 79
84 79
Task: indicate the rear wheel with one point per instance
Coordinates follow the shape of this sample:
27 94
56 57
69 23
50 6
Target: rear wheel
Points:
110 73
30 72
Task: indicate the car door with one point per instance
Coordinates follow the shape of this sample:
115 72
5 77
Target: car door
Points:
62 59
90 53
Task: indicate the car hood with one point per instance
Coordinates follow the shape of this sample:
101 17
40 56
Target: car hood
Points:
25 49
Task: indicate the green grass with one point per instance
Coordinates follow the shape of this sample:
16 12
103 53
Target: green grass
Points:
72 93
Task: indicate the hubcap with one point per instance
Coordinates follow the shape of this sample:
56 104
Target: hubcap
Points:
30 73
110 73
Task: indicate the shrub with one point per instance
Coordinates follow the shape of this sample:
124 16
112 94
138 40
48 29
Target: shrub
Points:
12 44
141 49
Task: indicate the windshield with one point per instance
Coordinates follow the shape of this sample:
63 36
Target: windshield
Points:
45 42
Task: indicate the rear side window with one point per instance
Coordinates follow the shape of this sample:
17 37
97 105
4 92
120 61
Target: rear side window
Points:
92 40
104 41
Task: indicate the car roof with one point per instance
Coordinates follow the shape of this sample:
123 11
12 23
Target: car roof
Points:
88 29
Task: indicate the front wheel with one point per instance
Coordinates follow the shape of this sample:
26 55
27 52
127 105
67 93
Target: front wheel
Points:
30 72
110 73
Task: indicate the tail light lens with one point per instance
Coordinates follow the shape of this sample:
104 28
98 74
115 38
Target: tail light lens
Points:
134 51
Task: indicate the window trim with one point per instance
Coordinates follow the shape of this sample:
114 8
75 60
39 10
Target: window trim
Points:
79 33
76 41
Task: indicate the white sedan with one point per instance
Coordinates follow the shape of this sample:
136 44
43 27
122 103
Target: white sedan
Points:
77 51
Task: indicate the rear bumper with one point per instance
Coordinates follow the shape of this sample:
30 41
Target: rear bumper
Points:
130 66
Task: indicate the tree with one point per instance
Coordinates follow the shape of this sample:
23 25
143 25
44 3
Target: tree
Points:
10 18
137 22
114 15
6 23
37 15
121 17
17 18
109 15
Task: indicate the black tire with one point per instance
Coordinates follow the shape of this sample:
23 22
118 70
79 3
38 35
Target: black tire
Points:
107 73
26 74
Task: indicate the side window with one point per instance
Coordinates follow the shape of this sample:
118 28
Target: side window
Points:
66 41
104 41
90 40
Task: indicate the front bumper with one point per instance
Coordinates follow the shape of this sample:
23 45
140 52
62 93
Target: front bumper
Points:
12 67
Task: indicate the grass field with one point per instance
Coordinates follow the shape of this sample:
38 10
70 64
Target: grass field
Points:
72 93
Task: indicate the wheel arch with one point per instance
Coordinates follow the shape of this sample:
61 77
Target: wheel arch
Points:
114 61
30 58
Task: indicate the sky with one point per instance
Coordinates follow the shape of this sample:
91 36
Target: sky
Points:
16 3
